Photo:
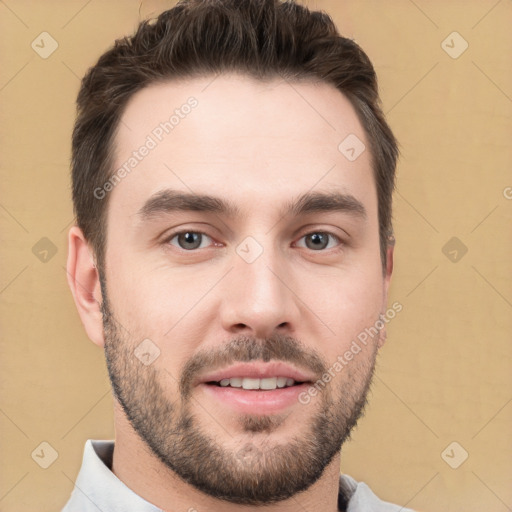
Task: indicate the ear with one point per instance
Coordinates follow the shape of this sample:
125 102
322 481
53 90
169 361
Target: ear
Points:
385 290
83 279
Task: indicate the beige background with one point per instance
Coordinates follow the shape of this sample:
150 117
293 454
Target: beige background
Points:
444 374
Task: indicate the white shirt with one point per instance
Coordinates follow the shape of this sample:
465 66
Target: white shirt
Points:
97 489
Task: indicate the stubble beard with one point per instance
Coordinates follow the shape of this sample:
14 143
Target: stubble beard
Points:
258 471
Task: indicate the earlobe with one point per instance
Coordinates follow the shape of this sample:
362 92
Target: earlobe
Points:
83 280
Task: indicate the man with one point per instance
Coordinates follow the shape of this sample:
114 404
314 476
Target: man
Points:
232 181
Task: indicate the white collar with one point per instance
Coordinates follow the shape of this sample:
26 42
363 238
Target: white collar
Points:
97 489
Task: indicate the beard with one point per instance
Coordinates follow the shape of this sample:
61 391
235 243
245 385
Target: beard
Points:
256 472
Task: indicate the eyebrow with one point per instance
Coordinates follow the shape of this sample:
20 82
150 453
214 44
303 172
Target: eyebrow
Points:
168 201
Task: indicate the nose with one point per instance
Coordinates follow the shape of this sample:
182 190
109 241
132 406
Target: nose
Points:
259 298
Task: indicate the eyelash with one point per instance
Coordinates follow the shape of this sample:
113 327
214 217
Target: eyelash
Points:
332 235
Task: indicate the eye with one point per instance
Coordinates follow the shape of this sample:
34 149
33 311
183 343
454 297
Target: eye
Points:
319 240
189 240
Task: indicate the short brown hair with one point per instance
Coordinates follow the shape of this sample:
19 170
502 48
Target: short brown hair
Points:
260 38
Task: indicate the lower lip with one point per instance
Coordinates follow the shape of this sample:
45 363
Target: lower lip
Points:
255 401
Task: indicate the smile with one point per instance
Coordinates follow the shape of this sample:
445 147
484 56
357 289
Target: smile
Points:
255 384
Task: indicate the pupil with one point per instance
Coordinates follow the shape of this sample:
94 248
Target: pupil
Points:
317 240
191 238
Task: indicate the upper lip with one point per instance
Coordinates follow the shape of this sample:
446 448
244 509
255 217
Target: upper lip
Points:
257 371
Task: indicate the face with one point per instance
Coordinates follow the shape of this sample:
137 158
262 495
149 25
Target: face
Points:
242 262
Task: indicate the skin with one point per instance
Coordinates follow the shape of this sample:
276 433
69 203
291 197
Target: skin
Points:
259 145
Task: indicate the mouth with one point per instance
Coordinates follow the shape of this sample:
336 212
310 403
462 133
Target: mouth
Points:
256 388
248 383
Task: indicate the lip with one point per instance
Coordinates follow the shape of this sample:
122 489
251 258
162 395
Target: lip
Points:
258 371
259 402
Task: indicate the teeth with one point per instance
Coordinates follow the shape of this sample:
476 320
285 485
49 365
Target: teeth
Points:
250 383
270 383
235 382
281 382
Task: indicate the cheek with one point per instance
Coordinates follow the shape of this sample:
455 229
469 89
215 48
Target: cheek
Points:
148 307
351 307
136 284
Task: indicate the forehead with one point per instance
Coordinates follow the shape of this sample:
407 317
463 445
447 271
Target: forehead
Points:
235 135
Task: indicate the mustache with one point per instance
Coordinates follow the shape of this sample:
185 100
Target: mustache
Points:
246 349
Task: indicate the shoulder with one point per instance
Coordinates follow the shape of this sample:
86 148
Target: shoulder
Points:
359 497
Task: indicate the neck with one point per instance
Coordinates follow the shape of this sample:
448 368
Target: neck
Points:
140 470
